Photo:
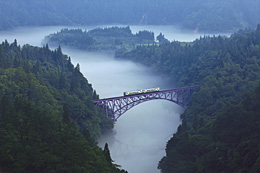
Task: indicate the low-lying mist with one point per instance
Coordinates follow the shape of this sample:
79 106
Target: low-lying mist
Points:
140 135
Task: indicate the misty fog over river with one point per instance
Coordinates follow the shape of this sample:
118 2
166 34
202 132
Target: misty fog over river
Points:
140 135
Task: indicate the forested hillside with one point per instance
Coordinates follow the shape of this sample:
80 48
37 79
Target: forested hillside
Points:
48 121
215 135
49 80
199 15
229 143
109 38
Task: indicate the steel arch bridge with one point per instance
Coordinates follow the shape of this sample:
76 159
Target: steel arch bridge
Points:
117 106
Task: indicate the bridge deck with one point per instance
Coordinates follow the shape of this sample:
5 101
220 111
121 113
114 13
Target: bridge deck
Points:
163 91
116 106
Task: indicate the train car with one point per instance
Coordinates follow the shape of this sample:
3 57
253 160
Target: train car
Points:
128 93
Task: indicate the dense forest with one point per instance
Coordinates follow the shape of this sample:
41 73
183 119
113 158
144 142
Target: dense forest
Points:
220 127
109 38
199 15
48 122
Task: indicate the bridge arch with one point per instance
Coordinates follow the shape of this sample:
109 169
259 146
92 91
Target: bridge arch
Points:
115 107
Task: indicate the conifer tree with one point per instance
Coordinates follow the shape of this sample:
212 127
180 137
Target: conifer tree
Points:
62 81
107 154
2 57
66 114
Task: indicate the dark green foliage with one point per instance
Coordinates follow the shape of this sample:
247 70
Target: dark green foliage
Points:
199 15
161 39
42 115
34 140
72 38
66 114
219 133
112 38
49 80
107 153
145 35
230 143
223 67
2 57
111 32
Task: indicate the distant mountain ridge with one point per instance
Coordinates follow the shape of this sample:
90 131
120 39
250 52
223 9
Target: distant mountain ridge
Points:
200 15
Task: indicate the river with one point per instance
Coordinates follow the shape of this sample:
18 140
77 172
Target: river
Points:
140 135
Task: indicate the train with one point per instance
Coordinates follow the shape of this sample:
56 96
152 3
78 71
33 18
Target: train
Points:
128 93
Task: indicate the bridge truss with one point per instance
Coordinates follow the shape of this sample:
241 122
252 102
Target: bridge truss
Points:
117 106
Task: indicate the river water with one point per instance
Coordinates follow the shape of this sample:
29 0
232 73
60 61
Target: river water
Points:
140 135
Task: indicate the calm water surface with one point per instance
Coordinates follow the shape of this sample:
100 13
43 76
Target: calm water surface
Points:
140 135
139 138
